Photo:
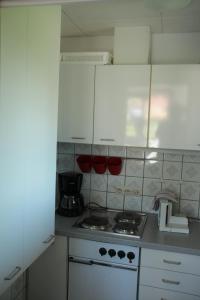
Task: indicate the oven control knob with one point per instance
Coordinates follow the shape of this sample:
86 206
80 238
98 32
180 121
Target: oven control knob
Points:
121 254
112 252
102 251
130 256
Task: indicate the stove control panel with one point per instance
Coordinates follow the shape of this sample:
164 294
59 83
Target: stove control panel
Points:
105 252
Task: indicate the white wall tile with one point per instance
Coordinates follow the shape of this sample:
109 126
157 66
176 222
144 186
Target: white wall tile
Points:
115 201
191 157
191 172
153 169
189 208
173 156
132 203
86 181
65 148
83 149
115 183
65 162
147 204
172 170
190 191
117 151
86 196
151 187
134 168
134 184
132 152
171 186
98 182
100 150
154 155
98 197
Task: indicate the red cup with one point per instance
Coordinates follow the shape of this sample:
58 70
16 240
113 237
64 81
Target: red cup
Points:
85 163
115 165
100 164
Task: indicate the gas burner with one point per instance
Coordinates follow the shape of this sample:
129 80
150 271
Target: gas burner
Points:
125 228
95 223
128 217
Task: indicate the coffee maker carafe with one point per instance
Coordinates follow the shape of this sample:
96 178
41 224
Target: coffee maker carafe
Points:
71 202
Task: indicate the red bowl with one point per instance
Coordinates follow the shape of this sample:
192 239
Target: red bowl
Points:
115 165
100 164
85 163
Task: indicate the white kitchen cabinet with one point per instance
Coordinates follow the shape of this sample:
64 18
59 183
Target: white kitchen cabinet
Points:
76 103
48 274
29 69
41 129
121 105
150 293
12 126
175 106
169 275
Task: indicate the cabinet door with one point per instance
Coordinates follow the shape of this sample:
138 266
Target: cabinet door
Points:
41 129
76 103
48 274
12 101
147 293
175 106
121 105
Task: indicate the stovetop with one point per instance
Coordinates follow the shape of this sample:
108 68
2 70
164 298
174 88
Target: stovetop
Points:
126 223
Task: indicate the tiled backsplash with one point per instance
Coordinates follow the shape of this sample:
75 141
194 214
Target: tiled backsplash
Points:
144 174
17 290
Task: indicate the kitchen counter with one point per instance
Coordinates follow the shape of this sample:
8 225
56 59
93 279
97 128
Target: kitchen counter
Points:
152 237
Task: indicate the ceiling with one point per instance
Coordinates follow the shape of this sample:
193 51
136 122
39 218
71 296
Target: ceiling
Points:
100 17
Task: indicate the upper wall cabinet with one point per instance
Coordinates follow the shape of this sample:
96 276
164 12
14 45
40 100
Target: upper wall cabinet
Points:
175 107
76 103
121 105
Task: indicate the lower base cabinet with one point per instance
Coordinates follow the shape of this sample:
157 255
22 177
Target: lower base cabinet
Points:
151 293
47 277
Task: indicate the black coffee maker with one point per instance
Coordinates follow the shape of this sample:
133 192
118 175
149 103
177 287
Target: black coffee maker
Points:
71 202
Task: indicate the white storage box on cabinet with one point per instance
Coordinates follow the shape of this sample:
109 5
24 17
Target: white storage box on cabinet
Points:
121 105
175 106
76 103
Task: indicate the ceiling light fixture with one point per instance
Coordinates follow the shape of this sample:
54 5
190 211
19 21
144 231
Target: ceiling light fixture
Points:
167 4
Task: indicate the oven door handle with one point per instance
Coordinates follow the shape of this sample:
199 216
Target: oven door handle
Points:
93 262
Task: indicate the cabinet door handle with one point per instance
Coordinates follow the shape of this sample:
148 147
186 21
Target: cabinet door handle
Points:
107 140
49 239
77 138
170 281
13 273
171 262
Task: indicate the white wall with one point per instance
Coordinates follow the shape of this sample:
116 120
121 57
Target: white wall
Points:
165 48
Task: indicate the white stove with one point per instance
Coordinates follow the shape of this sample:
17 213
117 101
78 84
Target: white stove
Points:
127 223
102 271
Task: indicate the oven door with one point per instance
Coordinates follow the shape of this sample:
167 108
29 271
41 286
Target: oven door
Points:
89 280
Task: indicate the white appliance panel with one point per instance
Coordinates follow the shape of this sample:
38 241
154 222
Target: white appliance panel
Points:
89 282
